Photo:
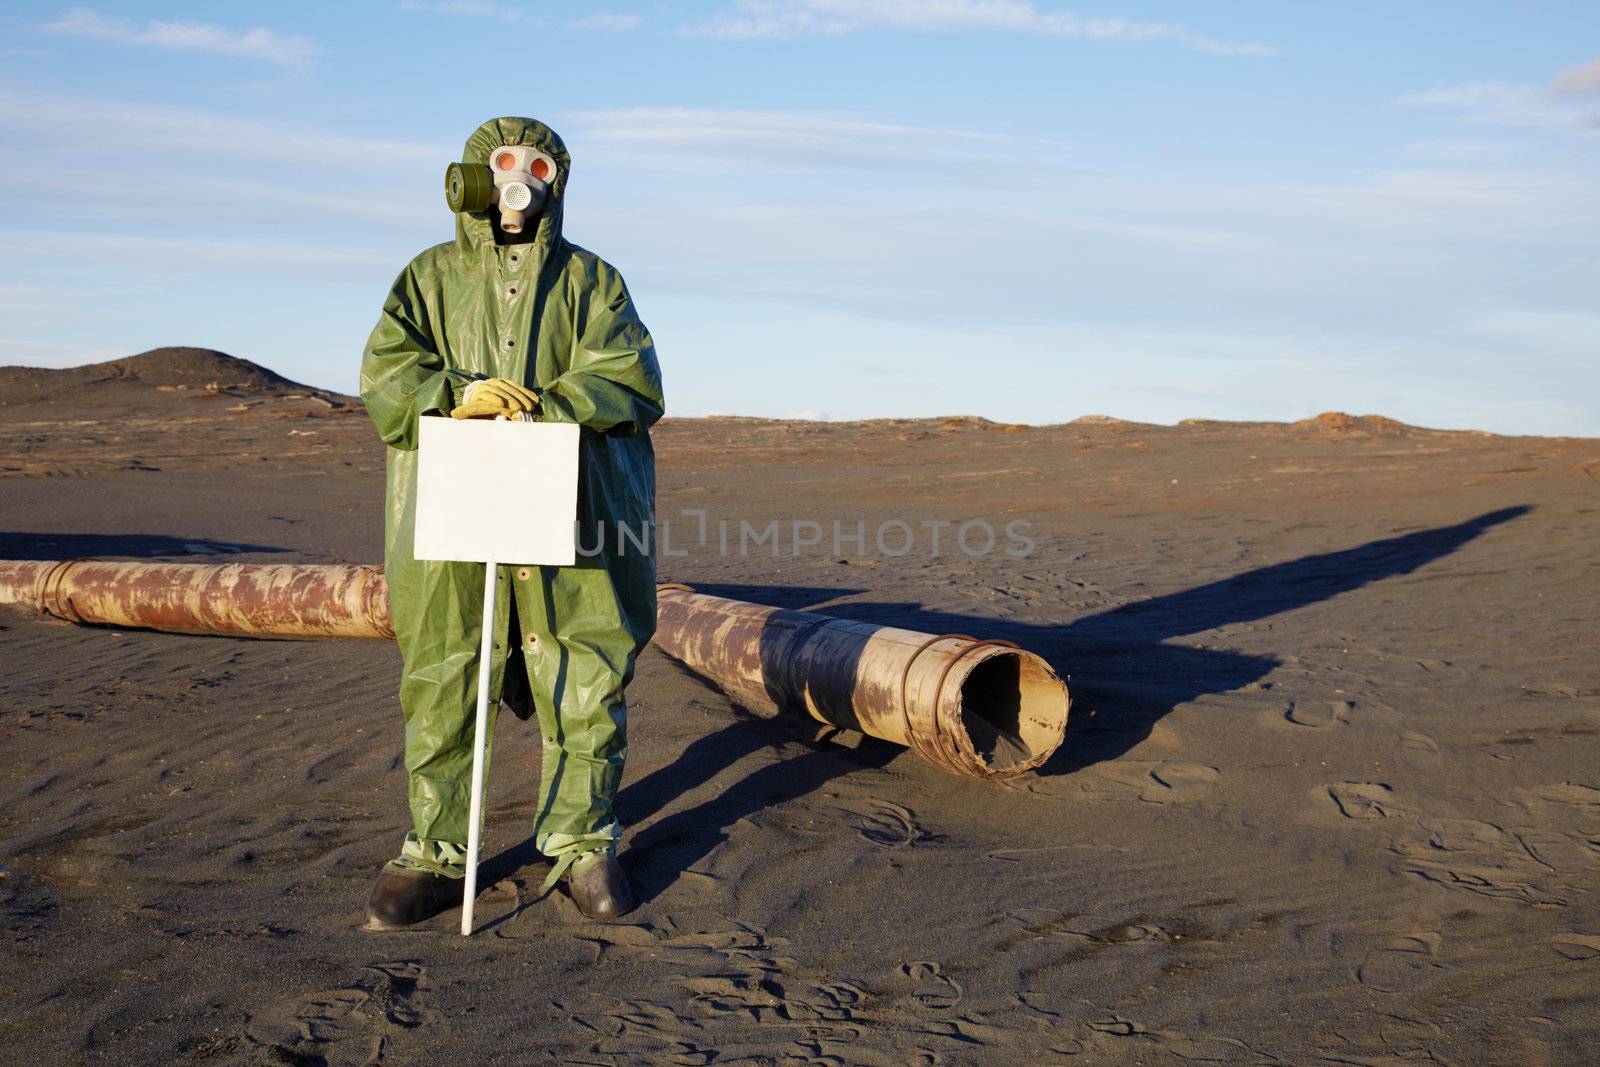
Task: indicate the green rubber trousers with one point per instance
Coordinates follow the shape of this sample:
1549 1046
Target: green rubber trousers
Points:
559 320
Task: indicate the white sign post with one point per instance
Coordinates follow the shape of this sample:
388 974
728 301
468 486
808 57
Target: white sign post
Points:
494 492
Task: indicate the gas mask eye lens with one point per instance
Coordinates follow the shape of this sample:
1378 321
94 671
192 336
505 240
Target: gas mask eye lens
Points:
540 169
506 161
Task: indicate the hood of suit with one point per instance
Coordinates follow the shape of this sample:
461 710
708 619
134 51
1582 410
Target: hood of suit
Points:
474 230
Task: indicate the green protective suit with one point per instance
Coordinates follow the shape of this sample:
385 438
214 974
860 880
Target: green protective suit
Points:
559 320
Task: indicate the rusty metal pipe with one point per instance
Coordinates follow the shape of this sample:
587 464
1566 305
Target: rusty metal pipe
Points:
243 599
985 709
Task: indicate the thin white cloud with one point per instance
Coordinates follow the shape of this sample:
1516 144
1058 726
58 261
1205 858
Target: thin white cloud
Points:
203 254
1385 251
54 123
1578 81
683 124
471 9
695 138
602 21
606 23
1495 103
25 300
146 191
1462 150
1479 96
804 18
259 43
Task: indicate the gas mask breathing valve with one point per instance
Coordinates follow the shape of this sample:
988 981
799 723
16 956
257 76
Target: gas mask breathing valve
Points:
517 180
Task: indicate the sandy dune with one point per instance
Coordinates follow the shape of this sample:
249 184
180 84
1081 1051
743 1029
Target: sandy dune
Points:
1330 792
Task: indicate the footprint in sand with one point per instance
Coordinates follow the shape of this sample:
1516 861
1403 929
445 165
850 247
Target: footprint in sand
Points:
1154 783
1363 800
1567 798
1418 747
348 1025
1319 714
1180 783
889 825
1402 964
1577 947
772 998
936 991
1563 690
1480 857
1107 1038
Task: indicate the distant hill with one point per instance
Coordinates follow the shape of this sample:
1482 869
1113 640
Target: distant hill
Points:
166 369
1339 422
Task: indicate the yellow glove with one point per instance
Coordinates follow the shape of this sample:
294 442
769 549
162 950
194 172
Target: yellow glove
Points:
494 398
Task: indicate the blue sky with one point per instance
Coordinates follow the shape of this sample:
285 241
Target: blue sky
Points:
842 208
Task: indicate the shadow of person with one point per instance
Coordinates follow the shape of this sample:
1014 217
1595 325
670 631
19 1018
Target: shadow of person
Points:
659 854
1134 677
1125 678
1123 672
662 851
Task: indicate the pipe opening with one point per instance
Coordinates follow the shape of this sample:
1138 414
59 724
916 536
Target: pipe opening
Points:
1013 709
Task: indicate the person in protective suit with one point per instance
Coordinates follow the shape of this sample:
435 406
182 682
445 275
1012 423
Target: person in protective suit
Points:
512 320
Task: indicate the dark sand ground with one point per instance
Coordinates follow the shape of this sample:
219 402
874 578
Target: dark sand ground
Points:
1330 792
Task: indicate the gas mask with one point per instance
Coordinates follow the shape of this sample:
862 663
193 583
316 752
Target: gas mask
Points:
516 179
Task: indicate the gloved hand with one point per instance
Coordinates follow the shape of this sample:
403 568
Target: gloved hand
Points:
495 397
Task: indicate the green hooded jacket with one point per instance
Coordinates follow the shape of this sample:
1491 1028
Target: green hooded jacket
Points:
558 319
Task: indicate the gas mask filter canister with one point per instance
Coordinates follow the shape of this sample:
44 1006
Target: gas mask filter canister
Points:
517 180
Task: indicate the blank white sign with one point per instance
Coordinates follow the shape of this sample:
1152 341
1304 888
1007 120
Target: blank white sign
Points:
497 492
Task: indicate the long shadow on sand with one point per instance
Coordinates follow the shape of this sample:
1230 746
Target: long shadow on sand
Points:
1125 678
18 545
659 854
663 851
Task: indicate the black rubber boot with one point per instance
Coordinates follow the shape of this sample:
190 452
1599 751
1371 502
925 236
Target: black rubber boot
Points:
601 889
405 897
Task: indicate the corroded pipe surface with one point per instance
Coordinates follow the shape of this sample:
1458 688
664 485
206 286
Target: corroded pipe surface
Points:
986 709
246 599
